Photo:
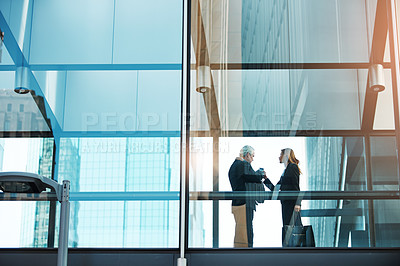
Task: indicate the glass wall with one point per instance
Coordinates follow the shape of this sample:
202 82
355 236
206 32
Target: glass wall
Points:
95 93
294 74
103 80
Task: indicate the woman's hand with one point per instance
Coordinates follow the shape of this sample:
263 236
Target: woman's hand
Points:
297 208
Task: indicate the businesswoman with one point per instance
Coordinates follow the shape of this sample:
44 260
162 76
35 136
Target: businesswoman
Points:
289 182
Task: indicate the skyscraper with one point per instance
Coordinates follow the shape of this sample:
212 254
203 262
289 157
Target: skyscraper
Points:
36 234
127 165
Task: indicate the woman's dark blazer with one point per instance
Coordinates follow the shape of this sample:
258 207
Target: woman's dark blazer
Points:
289 181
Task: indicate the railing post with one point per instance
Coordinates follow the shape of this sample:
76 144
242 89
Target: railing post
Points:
64 226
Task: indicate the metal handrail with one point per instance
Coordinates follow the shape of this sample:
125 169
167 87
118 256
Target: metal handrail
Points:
207 195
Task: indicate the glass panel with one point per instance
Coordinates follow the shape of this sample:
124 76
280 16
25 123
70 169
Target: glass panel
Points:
130 224
52 84
384 163
18 15
384 116
34 155
159 32
335 164
159 101
387 223
113 101
106 36
288 31
89 98
5 58
33 118
107 98
120 164
21 112
5 8
335 223
7 79
72 32
274 69
281 100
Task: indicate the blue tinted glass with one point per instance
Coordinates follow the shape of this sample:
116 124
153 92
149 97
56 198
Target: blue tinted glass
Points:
100 101
158 106
122 165
72 32
18 15
5 8
302 31
7 79
122 101
139 224
5 58
52 84
75 32
148 31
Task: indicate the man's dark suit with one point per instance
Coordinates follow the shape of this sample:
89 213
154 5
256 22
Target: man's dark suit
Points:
239 174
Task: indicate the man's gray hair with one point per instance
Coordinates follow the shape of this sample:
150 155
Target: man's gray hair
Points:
245 150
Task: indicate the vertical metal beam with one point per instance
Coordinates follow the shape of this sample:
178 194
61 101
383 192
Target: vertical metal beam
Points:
371 214
185 137
210 102
203 59
53 205
394 58
216 188
376 57
341 186
124 223
62 257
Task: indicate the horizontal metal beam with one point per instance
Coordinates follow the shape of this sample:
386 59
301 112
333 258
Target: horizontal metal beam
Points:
283 66
44 196
205 195
119 134
198 133
294 195
215 66
331 212
124 196
26 134
103 67
297 133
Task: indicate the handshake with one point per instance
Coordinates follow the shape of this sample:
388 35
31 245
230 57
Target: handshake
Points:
262 172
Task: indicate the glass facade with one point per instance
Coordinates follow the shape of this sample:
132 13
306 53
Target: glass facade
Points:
296 74
146 124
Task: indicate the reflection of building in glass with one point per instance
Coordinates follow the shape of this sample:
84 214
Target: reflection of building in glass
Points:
323 166
116 164
68 169
128 164
40 232
20 112
339 164
34 214
385 177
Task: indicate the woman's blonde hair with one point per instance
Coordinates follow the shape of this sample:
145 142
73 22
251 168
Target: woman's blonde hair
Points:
291 157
